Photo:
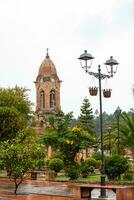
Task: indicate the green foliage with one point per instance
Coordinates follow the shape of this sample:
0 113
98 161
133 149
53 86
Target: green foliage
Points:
97 155
16 97
128 176
86 170
20 156
90 162
66 139
10 122
50 138
60 122
47 162
72 171
57 154
115 166
126 133
73 141
14 111
56 164
127 130
107 121
88 166
85 120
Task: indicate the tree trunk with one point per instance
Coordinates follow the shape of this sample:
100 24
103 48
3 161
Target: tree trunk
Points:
16 187
17 183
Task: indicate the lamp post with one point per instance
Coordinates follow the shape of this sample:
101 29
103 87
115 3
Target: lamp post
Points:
109 129
110 64
117 114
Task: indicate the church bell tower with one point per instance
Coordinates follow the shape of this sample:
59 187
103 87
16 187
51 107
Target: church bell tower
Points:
47 88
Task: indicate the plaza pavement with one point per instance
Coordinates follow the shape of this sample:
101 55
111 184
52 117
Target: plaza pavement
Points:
35 190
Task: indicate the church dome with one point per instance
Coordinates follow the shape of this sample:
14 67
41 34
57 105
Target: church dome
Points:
47 67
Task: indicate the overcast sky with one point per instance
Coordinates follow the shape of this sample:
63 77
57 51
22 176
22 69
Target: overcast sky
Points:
105 28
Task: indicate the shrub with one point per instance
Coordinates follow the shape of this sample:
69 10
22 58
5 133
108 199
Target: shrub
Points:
115 166
55 164
47 162
88 167
98 164
86 170
97 155
57 154
128 176
73 171
90 162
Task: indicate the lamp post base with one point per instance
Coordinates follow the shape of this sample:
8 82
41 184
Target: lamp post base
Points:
103 191
103 198
103 194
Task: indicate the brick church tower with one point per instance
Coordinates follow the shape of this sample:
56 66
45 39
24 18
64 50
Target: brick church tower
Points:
47 88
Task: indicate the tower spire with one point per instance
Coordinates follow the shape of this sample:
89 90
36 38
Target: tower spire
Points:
47 55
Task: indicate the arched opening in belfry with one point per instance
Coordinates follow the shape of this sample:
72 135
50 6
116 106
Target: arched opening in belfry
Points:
42 99
52 98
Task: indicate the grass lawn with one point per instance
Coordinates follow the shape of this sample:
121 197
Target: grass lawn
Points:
95 178
91 178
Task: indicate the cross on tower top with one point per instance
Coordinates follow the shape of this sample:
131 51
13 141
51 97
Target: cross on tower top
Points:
47 55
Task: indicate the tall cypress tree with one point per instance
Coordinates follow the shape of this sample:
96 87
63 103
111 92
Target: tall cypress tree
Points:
86 118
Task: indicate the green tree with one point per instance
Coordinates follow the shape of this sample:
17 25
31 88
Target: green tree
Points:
85 120
126 134
97 155
15 109
10 122
16 97
60 121
108 119
115 166
88 166
70 140
22 155
67 139
127 131
56 164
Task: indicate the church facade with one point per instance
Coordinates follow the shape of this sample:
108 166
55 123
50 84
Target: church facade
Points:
47 88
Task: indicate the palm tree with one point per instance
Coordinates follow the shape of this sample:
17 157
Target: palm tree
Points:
110 139
127 131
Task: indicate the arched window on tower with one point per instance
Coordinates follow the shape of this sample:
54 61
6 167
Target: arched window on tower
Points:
52 98
42 99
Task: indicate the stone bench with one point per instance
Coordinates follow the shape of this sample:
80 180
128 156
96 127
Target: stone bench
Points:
34 174
122 192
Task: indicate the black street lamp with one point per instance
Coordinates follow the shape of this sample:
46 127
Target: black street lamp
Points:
111 65
117 114
109 129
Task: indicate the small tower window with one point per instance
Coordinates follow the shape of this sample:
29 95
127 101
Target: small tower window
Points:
52 98
42 99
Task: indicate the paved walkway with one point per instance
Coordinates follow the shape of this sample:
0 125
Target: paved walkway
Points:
40 190
35 190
